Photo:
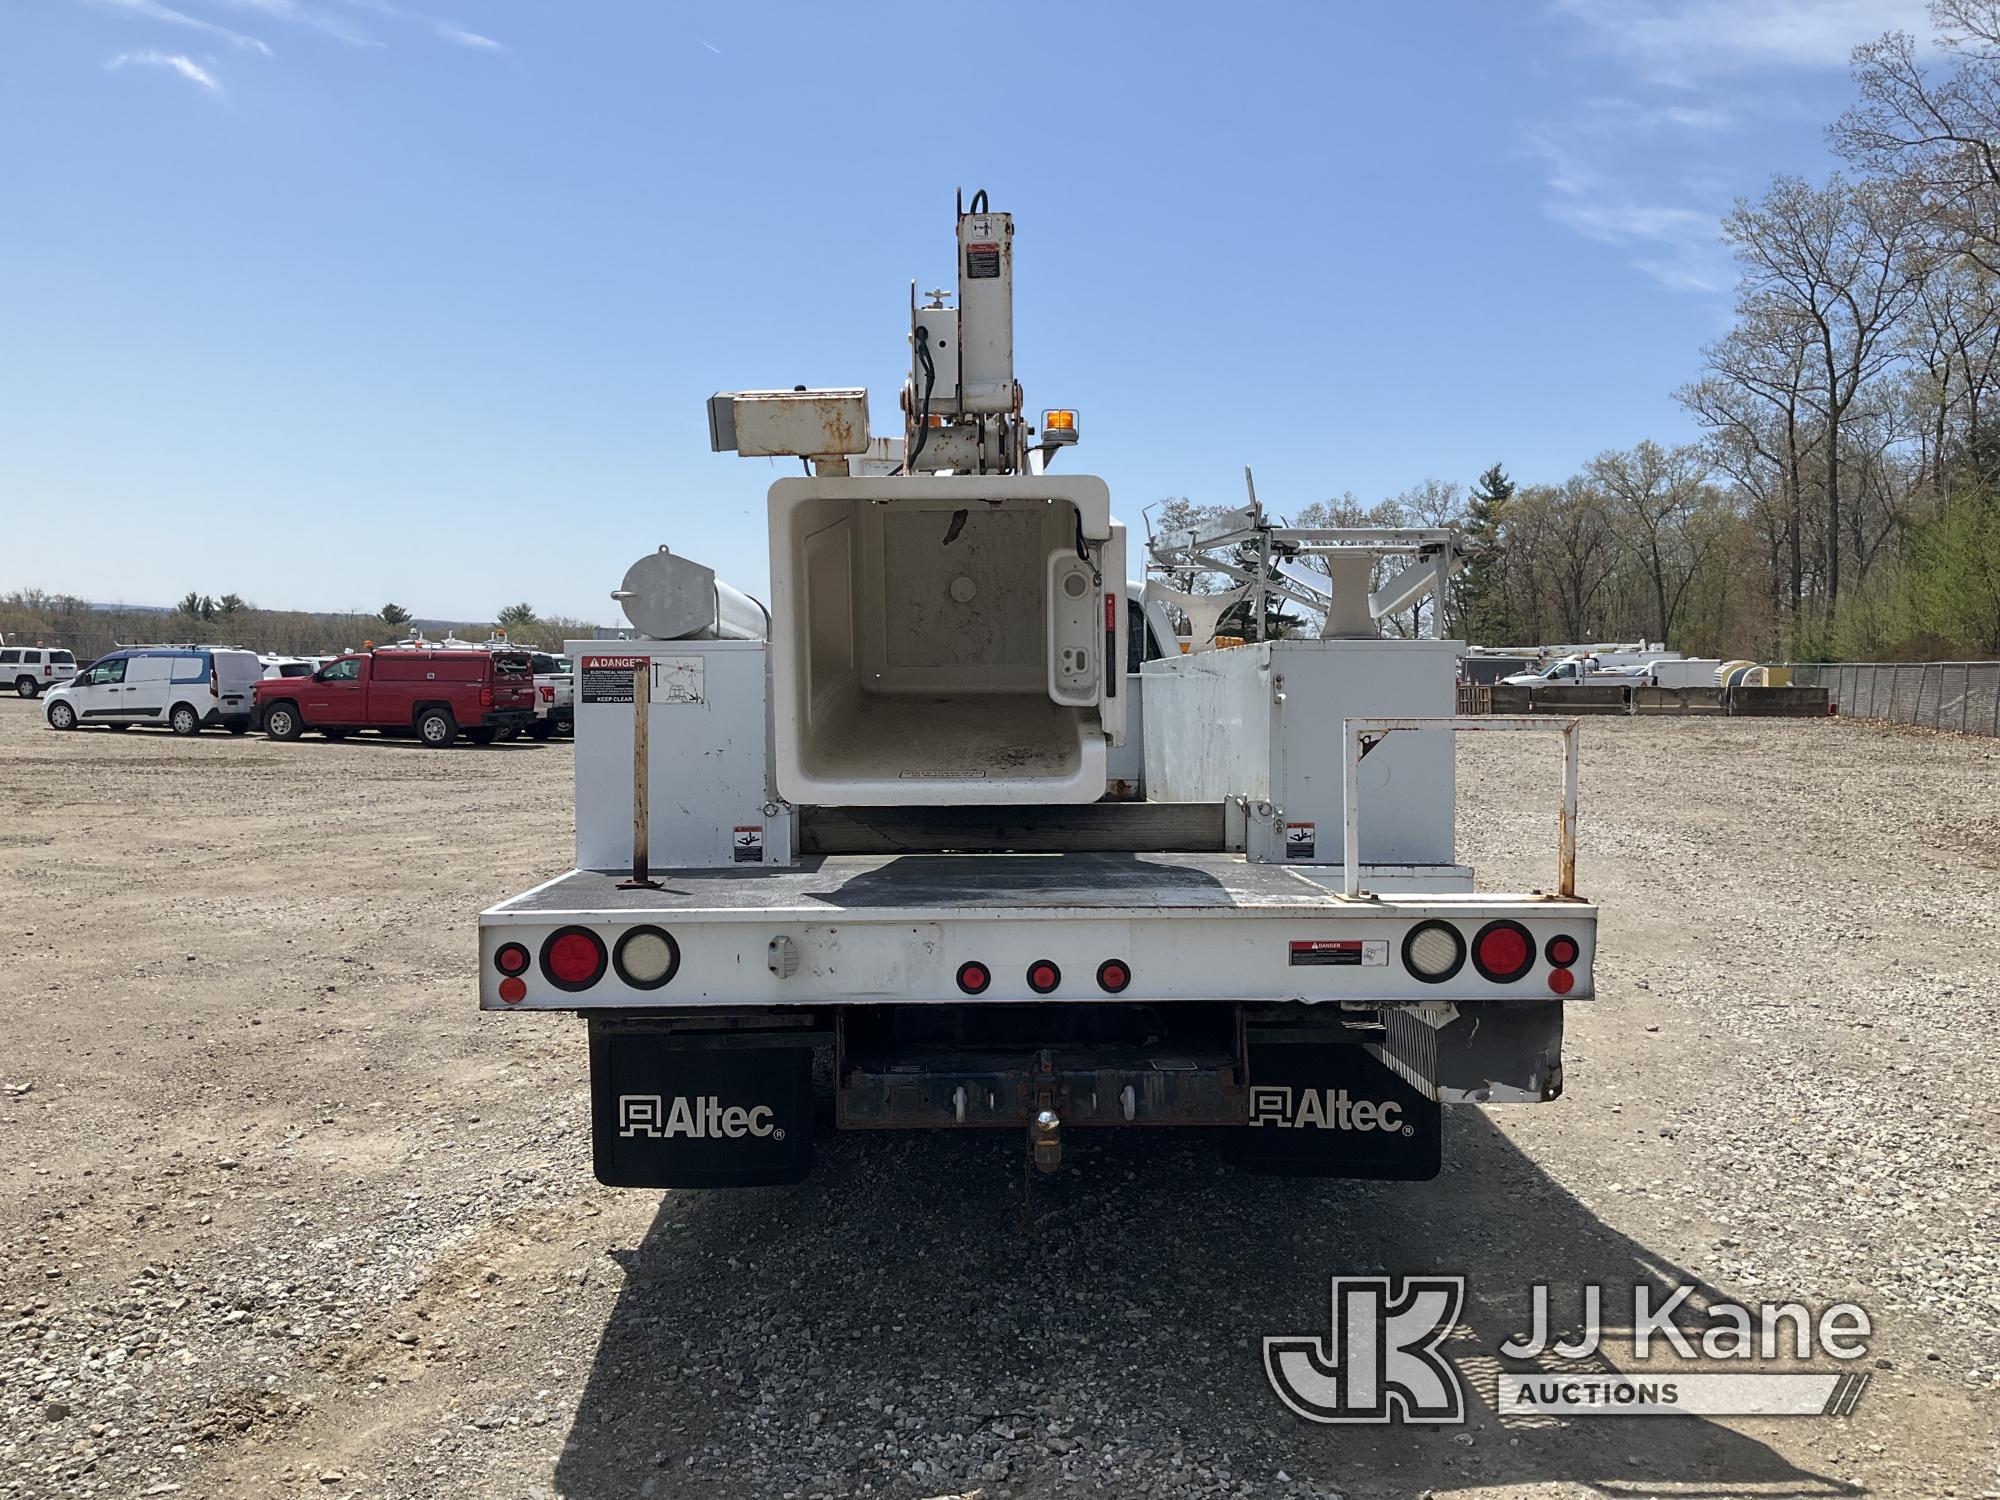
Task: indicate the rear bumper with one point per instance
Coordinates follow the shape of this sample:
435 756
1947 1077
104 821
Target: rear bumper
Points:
860 930
507 718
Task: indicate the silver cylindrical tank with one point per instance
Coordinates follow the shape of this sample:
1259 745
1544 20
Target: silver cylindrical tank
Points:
669 598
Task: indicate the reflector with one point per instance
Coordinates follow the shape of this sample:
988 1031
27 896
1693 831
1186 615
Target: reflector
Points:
646 957
1433 951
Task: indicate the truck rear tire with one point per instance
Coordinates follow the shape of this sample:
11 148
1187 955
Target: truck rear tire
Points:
282 722
541 729
480 736
436 728
26 686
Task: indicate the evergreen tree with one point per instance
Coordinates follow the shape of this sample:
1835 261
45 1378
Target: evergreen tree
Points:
1479 597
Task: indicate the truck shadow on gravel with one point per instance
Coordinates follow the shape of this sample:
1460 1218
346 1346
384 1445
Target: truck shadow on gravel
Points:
893 1326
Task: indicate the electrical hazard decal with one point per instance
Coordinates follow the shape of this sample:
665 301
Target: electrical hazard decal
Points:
1314 953
748 843
608 679
1299 840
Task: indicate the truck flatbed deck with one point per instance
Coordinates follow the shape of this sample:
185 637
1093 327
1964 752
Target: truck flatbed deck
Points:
827 885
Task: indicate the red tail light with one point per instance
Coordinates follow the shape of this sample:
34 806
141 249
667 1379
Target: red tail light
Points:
1503 951
214 679
573 958
486 697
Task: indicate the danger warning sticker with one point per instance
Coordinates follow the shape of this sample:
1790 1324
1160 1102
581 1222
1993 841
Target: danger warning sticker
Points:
1299 840
1314 953
608 679
748 843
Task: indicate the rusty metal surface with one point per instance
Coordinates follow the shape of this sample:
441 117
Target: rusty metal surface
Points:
1085 1098
1779 702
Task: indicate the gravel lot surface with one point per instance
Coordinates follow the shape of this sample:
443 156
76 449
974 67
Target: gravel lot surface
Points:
284 1215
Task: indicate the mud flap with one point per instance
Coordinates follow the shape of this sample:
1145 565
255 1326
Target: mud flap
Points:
1330 1110
674 1111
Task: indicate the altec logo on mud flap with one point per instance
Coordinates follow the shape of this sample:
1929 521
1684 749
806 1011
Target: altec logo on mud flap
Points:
704 1118
1324 1109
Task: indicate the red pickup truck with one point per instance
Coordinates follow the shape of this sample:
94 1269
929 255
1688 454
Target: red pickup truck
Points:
438 695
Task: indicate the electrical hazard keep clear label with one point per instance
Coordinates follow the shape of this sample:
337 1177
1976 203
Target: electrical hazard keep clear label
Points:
1299 840
748 843
1314 953
608 679
982 262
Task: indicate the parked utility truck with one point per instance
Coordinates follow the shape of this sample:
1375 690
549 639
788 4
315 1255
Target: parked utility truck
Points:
872 820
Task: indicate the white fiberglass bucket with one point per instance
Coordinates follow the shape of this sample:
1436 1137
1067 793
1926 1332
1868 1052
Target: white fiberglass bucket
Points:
945 641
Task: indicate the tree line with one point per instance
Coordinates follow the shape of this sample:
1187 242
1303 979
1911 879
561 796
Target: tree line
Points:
32 617
1843 500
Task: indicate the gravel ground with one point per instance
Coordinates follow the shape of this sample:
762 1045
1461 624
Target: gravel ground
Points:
285 1215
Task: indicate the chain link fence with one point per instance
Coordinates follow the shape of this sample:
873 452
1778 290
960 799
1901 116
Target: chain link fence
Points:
1963 696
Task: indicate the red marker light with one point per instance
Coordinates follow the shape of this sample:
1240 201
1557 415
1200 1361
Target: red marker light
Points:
1043 976
513 991
1113 976
511 958
1561 981
1562 951
973 978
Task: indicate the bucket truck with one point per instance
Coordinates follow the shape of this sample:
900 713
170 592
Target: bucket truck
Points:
871 822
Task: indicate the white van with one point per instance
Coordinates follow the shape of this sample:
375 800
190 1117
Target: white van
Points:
30 669
185 688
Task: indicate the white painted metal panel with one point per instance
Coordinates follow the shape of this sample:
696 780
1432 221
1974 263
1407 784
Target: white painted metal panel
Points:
912 955
707 738
1263 722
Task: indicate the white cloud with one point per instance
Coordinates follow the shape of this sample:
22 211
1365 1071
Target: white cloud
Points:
152 10
326 22
1679 41
1676 244
175 62
458 36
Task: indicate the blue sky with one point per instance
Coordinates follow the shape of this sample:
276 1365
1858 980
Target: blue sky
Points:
333 302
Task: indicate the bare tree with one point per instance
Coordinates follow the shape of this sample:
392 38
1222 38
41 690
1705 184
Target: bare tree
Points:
1846 260
1667 516
1757 402
1941 136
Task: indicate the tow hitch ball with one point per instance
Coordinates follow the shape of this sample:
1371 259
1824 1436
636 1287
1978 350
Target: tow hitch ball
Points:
1045 1140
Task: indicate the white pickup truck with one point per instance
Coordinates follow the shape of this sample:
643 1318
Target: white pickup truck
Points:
555 697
